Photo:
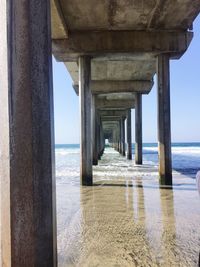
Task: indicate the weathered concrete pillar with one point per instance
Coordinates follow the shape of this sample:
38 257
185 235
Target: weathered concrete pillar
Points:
119 137
128 132
98 137
27 189
85 97
164 123
138 128
115 139
123 148
94 132
102 140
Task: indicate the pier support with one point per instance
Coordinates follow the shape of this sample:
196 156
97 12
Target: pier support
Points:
85 98
138 128
27 180
98 137
102 139
164 123
128 132
94 132
123 150
120 137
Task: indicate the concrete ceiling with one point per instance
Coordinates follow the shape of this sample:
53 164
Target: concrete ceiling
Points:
123 38
81 15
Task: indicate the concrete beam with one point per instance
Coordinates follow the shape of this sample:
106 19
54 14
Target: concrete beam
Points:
117 96
58 25
175 43
112 113
99 87
110 123
110 118
123 70
27 175
124 104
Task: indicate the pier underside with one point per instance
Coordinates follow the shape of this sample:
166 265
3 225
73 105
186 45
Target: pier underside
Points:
127 219
127 43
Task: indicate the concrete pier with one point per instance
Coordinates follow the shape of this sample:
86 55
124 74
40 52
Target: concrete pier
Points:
138 128
111 52
128 132
164 122
123 49
85 98
27 196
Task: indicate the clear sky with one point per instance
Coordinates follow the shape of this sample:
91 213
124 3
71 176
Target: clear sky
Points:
185 100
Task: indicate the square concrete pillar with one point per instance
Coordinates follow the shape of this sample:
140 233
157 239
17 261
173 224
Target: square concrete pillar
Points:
27 177
94 131
119 137
164 121
123 152
102 139
128 132
138 128
85 99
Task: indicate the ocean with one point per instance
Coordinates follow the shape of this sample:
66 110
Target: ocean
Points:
185 158
126 218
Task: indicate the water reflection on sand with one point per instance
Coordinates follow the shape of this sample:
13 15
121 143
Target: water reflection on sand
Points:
126 219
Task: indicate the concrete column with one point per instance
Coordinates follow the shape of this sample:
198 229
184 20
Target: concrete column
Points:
123 150
98 137
115 140
128 132
27 189
94 132
102 140
85 119
138 128
119 137
164 123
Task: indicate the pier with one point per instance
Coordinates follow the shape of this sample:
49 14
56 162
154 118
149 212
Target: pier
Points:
112 50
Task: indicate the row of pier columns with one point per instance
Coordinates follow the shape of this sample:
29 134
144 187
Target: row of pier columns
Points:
126 149
92 151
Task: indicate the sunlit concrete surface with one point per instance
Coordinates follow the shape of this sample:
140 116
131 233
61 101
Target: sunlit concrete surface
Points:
126 219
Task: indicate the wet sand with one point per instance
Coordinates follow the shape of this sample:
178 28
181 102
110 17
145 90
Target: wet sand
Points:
126 219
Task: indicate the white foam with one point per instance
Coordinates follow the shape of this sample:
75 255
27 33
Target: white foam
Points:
178 150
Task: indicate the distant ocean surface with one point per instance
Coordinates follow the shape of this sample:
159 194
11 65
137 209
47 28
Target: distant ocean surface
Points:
185 158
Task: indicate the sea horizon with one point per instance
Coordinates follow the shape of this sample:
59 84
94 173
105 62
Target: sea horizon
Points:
185 158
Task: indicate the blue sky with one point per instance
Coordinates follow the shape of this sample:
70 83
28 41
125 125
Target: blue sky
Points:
185 100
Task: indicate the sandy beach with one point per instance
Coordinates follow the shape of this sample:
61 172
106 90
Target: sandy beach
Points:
126 219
